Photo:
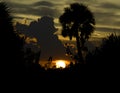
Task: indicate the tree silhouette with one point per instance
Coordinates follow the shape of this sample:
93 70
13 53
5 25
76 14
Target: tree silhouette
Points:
11 43
108 53
77 21
110 49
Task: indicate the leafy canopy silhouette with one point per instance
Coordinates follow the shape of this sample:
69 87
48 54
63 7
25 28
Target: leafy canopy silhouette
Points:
77 21
107 53
11 43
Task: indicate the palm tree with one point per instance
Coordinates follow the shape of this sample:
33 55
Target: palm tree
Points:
77 21
11 43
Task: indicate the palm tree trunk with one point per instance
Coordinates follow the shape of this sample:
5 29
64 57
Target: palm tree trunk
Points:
80 57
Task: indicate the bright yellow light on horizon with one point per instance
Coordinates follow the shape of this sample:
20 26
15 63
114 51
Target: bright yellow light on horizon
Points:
60 63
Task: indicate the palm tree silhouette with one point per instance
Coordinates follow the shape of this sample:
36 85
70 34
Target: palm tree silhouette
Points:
11 43
77 21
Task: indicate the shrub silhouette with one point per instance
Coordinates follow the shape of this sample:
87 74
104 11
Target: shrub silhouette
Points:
108 52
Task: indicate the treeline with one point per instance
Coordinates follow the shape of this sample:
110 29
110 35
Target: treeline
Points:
15 65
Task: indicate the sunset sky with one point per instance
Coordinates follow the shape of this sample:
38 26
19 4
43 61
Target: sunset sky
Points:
106 12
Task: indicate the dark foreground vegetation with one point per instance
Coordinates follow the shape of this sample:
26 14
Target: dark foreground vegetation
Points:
100 65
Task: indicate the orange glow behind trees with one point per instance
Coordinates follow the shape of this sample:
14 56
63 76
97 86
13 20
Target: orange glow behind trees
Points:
61 63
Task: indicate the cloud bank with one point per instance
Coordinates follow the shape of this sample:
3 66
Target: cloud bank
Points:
106 12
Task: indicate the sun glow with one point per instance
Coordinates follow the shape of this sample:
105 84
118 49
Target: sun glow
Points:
60 63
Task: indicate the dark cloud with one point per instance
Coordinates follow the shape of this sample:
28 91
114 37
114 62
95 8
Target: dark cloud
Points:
105 13
45 8
117 23
41 11
46 11
102 16
13 5
16 17
35 10
85 1
44 3
107 29
109 6
18 8
44 30
106 18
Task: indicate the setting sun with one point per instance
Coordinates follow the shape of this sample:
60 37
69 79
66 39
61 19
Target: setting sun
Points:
60 63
